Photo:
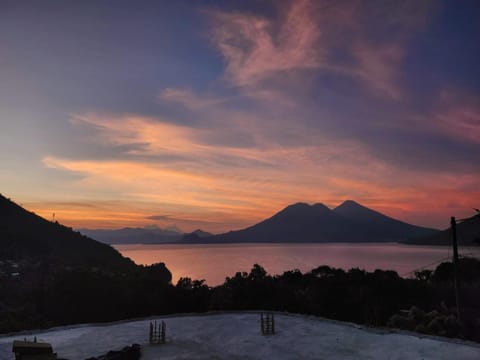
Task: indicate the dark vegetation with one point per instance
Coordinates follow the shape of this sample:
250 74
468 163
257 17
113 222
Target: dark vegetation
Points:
50 275
378 298
424 303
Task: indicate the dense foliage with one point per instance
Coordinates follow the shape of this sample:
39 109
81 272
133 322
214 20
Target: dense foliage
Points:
47 297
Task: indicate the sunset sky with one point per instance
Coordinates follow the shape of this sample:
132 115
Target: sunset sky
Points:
217 114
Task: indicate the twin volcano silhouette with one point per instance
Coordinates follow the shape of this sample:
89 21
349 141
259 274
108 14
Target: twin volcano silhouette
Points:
23 232
301 222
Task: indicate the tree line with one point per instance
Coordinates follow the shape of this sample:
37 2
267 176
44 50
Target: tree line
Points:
48 297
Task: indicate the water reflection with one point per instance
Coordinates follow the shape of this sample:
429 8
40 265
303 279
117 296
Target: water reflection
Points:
213 262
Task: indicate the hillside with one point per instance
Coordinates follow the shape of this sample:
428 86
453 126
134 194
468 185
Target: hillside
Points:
468 234
52 275
349 222
25 235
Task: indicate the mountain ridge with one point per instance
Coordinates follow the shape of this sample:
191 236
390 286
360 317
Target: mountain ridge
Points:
129 235
296 223
25 235
301 222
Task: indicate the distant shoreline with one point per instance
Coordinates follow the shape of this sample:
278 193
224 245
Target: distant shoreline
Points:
291 243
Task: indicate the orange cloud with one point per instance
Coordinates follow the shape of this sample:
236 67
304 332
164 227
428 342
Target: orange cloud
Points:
415 197
201 176
178 174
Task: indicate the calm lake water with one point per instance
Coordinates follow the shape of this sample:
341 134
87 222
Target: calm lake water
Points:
214 262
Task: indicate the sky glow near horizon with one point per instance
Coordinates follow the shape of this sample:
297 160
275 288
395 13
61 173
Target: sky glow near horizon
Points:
215 115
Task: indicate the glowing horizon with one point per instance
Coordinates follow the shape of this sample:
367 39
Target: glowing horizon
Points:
221 120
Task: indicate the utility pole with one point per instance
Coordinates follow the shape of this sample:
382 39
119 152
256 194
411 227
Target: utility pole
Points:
453 222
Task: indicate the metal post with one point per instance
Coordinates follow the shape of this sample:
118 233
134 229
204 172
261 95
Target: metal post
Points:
162 339
455 263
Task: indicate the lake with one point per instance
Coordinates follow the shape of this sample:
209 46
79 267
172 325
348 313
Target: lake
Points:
214 262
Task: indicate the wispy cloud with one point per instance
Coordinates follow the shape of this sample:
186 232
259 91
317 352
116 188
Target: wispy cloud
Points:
253 53
190 99
208 177
247 109
222 187
378 67
310 35
458 115
235 162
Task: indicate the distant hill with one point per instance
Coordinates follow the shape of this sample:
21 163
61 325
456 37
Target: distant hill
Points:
147 235
349 222
195 236
25 235
468 234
